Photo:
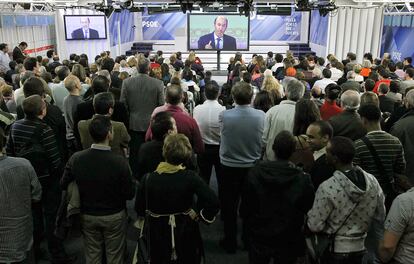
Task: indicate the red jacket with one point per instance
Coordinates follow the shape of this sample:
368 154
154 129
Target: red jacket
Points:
329 109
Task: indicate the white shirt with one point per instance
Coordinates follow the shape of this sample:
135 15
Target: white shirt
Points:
323 83
336 74
216 41
4 62
319 153
19 96
279 117
207 118
277 65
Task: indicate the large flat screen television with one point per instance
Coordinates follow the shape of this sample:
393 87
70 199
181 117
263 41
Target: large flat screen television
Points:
219 31
85 27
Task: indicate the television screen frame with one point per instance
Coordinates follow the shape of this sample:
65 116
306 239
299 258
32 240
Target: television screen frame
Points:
217 14
70 39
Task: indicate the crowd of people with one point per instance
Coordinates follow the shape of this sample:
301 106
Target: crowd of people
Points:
299 146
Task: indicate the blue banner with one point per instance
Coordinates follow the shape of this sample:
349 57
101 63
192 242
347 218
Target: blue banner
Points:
267 28
127 21
397 36
319 28
162 26
276 28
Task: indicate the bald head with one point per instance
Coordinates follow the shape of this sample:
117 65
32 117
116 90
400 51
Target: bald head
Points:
72 83
409 98
174 94
350 100
220 25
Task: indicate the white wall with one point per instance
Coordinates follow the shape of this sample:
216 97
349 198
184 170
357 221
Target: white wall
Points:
37 37
67 47
355 30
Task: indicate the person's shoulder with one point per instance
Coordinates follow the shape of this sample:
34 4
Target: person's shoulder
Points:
83 124
18 162
229 37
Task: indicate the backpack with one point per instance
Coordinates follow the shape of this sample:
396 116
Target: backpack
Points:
34 152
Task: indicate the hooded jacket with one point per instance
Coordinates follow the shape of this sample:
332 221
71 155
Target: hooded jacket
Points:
276 197
355 193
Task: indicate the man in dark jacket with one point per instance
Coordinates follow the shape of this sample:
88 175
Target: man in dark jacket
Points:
319 133
276 197
348 123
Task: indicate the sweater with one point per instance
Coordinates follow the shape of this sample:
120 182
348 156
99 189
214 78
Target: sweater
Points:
103 178
241 136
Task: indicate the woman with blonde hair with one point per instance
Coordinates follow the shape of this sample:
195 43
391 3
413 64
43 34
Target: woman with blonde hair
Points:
272 86
165 198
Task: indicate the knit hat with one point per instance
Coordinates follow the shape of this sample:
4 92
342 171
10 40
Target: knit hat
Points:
291 72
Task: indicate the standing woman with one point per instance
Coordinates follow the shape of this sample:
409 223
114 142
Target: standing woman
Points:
167 196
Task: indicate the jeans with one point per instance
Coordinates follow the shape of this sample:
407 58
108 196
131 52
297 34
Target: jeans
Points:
137 139
207 160
231 188
263 254
375 234
44 217
344 258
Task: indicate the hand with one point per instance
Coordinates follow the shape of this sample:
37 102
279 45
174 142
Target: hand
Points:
208 46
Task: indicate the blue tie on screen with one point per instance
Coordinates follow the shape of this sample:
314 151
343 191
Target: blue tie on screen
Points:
218 43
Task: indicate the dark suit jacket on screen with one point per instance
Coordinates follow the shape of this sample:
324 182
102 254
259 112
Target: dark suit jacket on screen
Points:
78 34
228 44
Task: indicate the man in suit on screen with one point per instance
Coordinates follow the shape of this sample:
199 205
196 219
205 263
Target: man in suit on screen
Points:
85 32
217 39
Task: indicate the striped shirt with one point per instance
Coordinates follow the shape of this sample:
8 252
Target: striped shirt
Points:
390 152
18 186
21 133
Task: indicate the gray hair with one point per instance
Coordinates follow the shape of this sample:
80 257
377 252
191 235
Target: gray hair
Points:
106 74
295 90
366 64
350 100
409 98
350 75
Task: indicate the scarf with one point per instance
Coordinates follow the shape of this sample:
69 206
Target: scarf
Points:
165 167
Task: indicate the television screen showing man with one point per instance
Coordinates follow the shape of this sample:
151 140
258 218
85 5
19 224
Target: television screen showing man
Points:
217 39
85 32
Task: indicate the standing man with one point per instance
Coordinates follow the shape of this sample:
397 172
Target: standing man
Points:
276 197
207 117
19 187
346 204
4 59
404 131
319 133
280 117
104 182
240 148
18 54
85 32
34 140
217 39
141 95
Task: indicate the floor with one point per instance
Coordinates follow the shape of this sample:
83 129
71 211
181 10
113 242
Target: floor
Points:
211 235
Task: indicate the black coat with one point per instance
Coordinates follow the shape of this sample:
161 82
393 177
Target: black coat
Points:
276 197
386 104
321 171
348 124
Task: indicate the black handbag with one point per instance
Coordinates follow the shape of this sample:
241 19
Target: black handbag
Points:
320 244
143 248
